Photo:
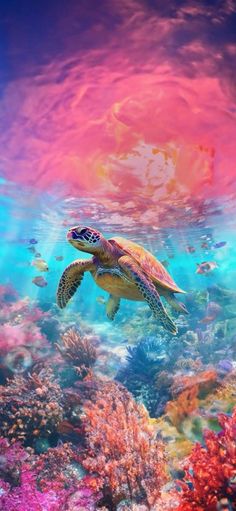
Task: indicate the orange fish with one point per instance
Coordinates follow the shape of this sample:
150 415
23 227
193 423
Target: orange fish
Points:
207 319
206 267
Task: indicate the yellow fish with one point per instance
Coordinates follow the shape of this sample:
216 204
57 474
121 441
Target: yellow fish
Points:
40 264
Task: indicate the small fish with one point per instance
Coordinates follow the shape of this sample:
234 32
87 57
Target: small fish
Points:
190 249
40 264
205 245
59 258
101 300
206 267
207 319
165 263
40 282
220 244
31 249
33 241
38 254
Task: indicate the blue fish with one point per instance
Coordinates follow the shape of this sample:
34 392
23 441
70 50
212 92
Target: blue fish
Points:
220 244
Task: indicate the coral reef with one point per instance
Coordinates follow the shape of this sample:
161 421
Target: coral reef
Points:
81 441
48 482
31 407
121 448
211 469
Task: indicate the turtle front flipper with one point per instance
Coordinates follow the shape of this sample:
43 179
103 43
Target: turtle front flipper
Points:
148 291
71 279
112 306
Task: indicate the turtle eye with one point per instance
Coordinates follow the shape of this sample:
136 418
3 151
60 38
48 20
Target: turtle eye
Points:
83 231
74 235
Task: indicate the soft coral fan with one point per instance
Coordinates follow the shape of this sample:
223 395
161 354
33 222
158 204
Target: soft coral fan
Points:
78 351
211 470
121 447
30 406
145 362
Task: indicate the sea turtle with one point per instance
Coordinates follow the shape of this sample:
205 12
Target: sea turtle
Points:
124 269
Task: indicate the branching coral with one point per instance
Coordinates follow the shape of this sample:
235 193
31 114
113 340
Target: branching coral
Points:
30 406
52 468
211 470
121 447
78 351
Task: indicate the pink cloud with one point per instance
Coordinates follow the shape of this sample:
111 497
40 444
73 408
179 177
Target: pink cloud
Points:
91 122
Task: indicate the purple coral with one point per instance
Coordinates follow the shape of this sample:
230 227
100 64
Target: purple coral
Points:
44 482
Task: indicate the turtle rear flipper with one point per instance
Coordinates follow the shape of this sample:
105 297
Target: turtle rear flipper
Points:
178 306
112 306
149 292
71 280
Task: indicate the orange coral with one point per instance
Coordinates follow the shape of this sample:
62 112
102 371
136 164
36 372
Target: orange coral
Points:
184 405
211 470
206 381
121 446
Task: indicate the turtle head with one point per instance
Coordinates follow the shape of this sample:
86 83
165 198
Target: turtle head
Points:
85 239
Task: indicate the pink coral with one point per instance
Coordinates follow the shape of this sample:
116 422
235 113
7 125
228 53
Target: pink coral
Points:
23 334
44 482
27 497
19 329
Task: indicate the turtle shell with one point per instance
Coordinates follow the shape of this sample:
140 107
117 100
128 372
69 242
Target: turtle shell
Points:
148 263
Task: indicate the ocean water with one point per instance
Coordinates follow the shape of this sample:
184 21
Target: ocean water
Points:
118 117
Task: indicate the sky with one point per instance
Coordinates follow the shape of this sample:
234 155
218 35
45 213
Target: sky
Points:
129 102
